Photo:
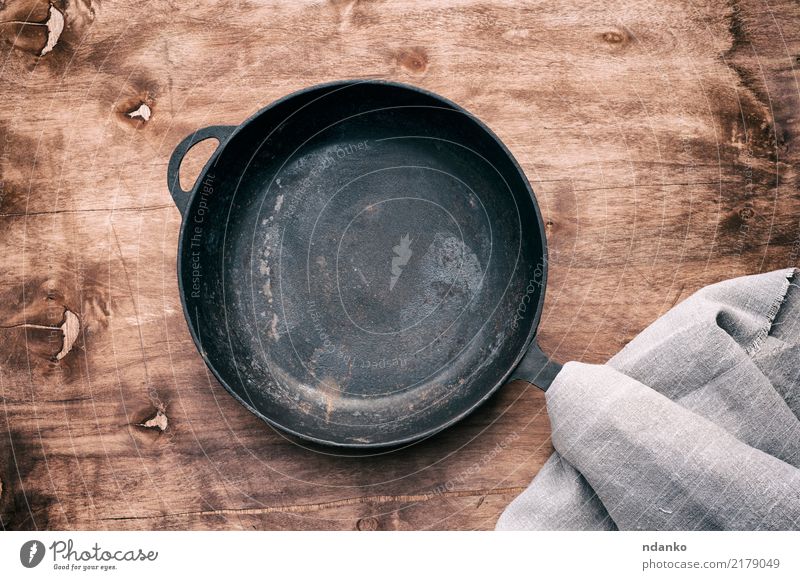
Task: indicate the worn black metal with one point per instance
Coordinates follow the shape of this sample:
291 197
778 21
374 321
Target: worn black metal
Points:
361 263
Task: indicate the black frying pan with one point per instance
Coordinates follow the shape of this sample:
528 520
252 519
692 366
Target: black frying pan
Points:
362 263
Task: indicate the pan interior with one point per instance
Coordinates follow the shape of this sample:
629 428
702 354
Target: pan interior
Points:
361 268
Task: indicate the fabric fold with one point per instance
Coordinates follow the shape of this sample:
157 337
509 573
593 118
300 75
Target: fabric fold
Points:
692 426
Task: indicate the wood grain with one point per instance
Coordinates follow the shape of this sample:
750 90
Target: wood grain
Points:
661 139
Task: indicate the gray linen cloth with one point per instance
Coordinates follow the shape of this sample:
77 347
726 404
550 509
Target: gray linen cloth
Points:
694 425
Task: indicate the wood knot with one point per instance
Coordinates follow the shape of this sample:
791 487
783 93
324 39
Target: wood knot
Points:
136 111
516 36
414 60
615 37
135 105
34 35
70 329
367 524
159 421
51 293
142 111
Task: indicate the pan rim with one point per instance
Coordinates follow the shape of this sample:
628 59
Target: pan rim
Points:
503 379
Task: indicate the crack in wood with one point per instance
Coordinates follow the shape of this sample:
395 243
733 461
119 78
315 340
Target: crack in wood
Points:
88 210
319 506
650 185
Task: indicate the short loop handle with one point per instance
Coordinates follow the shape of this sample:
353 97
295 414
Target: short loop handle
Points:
536 368
179 195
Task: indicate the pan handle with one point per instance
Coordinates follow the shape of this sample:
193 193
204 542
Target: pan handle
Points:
218 132
536 368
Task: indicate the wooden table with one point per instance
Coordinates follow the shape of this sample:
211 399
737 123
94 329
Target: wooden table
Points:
660 138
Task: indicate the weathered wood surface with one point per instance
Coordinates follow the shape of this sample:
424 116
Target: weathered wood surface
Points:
661 139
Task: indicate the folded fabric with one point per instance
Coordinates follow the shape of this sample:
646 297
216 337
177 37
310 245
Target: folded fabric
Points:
694 425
